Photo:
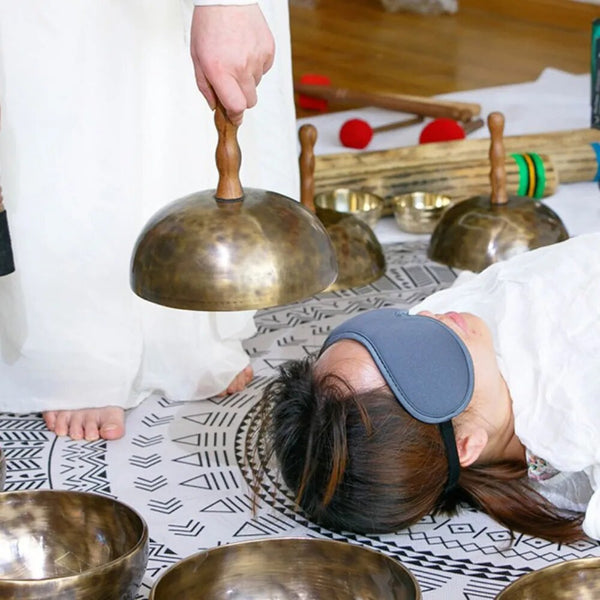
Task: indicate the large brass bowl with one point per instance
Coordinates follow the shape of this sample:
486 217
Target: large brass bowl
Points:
286 569
569 580
359 255
475 233
72 545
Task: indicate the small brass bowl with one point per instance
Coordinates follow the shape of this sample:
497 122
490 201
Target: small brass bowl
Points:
64 544
419 212
286 569
570 580
364 205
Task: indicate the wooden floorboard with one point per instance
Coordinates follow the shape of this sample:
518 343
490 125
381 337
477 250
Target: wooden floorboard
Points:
359 45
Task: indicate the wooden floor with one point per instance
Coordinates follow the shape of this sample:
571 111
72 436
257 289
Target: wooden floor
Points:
359 45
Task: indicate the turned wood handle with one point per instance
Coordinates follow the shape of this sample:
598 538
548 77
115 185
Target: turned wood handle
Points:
498 168
417 105
308 139
399 124
228 157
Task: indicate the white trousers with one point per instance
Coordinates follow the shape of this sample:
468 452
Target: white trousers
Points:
101 125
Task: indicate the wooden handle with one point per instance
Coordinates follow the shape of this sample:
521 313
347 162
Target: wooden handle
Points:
308 138
498 169
228 157
417 105
398 124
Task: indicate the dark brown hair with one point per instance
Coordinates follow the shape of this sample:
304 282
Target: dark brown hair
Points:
359 462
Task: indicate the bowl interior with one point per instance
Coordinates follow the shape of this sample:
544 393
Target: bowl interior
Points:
288 568
362 204
570 580
422 202
419 212
53 534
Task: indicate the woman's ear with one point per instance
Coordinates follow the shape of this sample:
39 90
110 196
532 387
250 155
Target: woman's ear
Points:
470 443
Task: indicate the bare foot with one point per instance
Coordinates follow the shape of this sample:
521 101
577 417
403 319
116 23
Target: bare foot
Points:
87 424
240 381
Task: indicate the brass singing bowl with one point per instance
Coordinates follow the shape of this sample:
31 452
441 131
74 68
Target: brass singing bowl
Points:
480 231
230 248
475 233
419 212
65 544
366 206
264 251
569 580
359 255
286 569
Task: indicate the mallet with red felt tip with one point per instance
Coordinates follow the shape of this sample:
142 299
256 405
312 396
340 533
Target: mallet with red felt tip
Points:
357 133
446 130
415 105
313 102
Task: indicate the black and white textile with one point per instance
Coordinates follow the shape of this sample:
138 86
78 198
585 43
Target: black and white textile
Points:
185 466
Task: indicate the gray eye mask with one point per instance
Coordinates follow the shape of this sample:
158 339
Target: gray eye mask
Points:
425 364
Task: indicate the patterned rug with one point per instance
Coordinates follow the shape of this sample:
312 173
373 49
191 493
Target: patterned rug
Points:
184 466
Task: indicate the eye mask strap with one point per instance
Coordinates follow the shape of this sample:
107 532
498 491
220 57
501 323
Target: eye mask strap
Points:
447 433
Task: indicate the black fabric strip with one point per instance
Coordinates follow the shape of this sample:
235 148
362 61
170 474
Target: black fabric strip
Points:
447 433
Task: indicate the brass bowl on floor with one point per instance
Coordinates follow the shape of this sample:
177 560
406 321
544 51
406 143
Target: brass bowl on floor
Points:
286 569
364 205
419 212
75 545
569 580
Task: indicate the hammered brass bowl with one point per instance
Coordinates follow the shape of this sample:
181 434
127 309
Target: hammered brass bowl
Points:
65 544
569 580
286 569
364 205
419 212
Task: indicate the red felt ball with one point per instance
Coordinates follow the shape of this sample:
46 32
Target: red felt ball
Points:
356 133
441 130
308 102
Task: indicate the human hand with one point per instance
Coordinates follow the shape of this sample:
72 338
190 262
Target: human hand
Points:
232 48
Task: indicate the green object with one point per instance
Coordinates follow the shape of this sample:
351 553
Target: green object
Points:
595 63
7 264
532 175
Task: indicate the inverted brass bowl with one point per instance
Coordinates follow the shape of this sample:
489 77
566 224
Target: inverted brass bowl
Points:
476 233
569 580
364 205
419 212
75 545
230 248
286 569
200 254
359 255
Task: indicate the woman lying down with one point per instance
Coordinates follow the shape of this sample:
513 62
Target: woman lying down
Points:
486 393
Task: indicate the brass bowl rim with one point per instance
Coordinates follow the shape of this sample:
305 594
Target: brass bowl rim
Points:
143 537
578 564
379 200
396 200
224 547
